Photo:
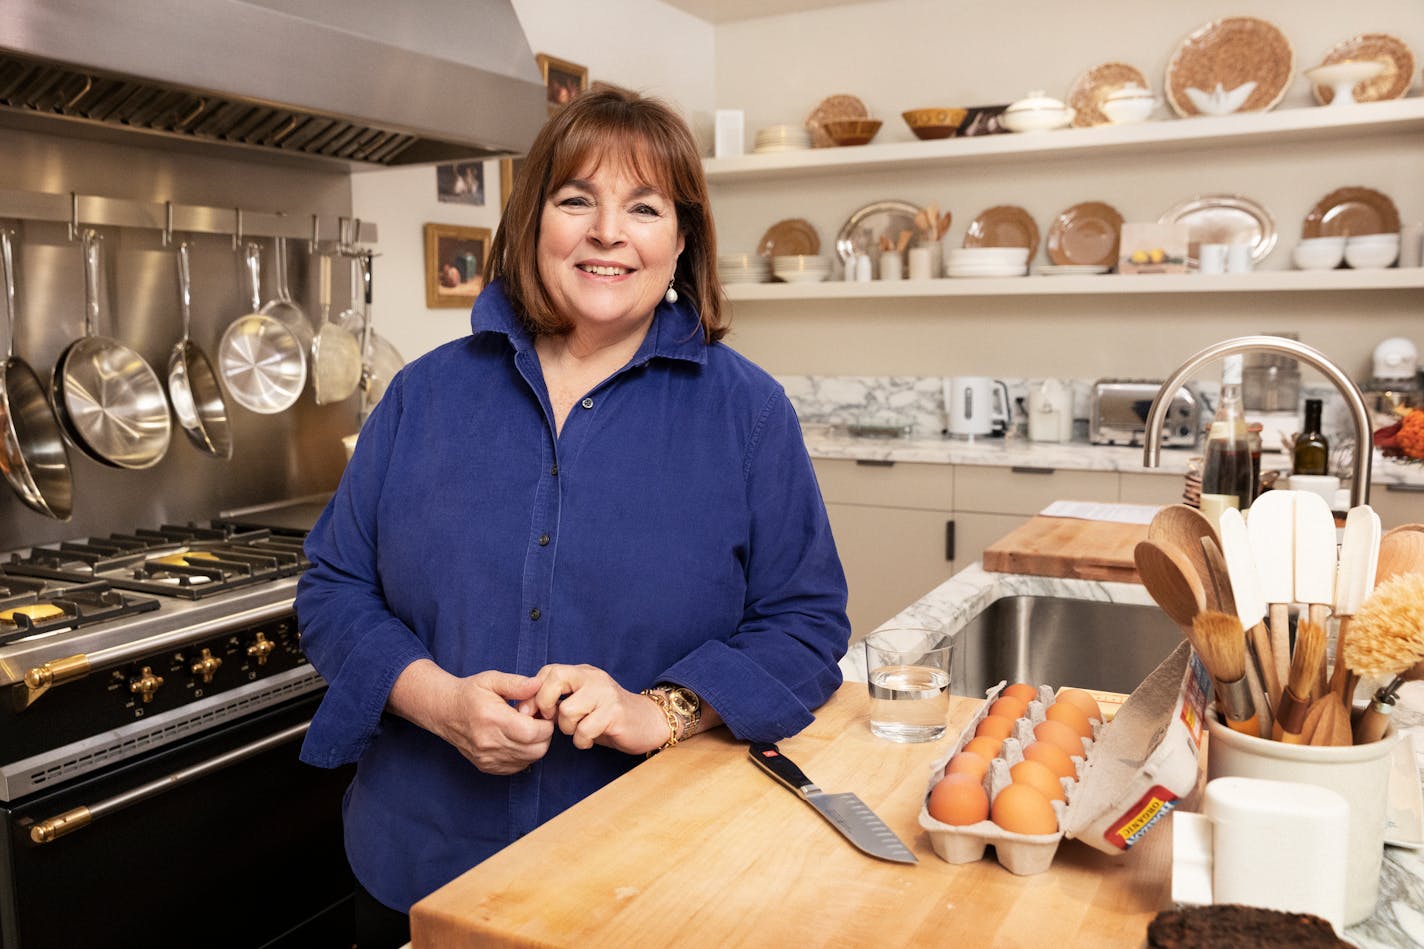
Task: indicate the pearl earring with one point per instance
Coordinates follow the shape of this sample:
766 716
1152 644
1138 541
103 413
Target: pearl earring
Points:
671 295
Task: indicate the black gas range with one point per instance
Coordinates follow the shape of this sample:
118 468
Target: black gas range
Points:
153 695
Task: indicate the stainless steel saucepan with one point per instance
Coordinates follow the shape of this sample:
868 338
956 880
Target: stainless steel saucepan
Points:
32 454
192 384
335 354
109 399
261 359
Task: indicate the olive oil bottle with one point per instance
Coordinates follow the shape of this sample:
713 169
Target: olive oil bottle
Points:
1226 465
1312 451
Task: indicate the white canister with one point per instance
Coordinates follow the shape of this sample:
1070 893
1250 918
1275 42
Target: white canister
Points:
892 265
1050 412
729 133
921 264
1211 258
1238 258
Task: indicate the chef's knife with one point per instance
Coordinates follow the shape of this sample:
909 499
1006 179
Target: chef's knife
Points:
846 812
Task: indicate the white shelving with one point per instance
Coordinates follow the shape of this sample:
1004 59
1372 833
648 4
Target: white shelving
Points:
1264 281
1320 123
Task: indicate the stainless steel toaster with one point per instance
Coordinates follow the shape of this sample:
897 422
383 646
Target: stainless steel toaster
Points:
1118 415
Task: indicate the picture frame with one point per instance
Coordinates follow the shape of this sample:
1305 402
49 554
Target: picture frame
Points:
562 80
508 169
460 182
455 258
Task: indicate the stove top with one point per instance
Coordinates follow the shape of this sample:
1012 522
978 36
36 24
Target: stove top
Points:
32 607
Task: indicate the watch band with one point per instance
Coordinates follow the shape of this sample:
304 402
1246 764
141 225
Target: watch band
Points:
681 707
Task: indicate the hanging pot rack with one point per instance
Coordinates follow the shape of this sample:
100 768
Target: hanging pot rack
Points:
81 210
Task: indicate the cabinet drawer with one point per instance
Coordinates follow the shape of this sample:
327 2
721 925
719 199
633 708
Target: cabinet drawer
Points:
901 484
997 490
1141 488
892 557
1404 504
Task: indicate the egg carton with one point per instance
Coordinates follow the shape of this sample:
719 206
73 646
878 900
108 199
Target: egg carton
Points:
1133 773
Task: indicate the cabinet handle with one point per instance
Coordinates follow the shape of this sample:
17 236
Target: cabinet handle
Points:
949 541
1414 488
875 462
1025 469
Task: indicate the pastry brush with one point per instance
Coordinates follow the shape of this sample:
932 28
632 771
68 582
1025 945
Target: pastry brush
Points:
1221 643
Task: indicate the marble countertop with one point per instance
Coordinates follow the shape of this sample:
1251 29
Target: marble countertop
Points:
825 441
1399 915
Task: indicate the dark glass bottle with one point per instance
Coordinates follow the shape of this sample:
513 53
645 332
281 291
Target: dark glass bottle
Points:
1226 464
1312 451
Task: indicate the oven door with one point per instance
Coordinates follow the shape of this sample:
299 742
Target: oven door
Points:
223 840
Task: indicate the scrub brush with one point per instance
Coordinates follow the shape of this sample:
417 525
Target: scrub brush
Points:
1386 639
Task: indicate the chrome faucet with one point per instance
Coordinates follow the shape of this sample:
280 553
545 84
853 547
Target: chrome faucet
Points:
1359 411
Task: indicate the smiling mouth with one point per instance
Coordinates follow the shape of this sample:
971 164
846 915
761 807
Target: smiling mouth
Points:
603 271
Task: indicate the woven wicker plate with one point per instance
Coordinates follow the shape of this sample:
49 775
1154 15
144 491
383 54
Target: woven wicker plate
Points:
1230 52
1085 234
789 238
830 109
1393 83
1092 89
1351 211
1005 225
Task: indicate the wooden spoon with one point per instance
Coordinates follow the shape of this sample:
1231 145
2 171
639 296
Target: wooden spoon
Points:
1182 528
1172 581
1327 723
1401 551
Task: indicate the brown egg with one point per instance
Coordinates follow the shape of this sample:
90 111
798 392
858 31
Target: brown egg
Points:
1038 776
959 799
984 746
995 726
967 762
1072 716
1061 735
1047 753
1022 809
1021 690
1083 700
1008 707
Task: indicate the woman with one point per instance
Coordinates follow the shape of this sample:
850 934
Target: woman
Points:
577 536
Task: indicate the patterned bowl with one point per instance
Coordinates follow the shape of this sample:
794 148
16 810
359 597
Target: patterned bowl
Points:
851 131
934 123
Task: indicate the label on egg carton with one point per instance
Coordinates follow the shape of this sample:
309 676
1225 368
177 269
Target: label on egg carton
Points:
1133 773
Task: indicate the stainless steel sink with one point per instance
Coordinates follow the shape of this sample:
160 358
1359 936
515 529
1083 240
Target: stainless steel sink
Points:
1060 641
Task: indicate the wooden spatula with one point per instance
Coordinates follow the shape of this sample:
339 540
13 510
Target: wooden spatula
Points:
1271 528
1327 723
1172 581
1182 528
1401 551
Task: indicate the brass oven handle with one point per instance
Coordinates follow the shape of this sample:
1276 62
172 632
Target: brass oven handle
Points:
38 680
51 829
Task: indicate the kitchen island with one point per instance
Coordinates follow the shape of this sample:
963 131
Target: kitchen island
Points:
697 846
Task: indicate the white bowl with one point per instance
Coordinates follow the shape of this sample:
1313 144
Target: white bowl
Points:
1390 238
1370 255
1126 110
800 262
1319 253
973 256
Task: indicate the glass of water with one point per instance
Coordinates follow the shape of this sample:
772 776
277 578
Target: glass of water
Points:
907 669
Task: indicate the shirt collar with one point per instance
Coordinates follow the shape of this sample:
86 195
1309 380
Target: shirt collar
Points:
676 332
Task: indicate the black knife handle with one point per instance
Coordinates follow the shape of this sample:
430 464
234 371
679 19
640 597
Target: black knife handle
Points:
770 759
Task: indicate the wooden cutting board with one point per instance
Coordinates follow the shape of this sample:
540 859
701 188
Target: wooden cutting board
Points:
1068 547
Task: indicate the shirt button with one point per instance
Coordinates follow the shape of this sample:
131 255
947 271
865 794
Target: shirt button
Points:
543 540
554 471
587 403
535 614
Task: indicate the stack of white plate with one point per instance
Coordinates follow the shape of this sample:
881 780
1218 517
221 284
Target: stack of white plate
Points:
782 138
986 262
801 268
743 268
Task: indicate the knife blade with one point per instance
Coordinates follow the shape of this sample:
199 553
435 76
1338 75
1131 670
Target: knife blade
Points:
846 812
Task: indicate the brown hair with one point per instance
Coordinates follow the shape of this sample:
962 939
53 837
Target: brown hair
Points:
659 148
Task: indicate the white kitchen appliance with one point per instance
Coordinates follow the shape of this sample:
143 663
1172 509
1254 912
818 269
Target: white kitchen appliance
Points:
1050 412
976 406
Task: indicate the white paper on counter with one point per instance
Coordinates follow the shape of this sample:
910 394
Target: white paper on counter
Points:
1103 511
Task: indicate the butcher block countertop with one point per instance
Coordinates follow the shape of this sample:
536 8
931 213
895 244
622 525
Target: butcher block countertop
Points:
698 846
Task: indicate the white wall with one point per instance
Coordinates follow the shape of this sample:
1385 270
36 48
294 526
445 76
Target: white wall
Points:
641 44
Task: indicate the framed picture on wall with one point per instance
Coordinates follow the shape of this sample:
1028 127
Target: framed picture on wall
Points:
460 182
508 169
454 264
562 80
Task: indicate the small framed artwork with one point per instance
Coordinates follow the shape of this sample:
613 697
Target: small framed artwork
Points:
454 264
460 182
562 80
508 168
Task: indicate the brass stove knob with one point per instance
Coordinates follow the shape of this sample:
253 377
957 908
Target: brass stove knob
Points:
206 665
261 649
146 684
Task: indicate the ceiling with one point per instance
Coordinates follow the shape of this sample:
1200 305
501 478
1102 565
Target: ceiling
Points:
729 11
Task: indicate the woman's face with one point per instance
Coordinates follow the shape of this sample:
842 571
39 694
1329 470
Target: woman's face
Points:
608 245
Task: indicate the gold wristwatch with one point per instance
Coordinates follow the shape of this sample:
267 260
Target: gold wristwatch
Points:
681 707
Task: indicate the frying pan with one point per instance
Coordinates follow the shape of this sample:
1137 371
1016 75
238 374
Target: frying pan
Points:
108 399
379 359
262 361
335 354
32 454
193 385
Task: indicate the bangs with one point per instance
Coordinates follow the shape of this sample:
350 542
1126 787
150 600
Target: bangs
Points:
628 149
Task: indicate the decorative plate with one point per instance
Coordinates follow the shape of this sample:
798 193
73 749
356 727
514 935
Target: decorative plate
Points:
1092 89
1231 52
828 110
1393 83
1085 234
1347 211
791 237
1006 225
1069 270
861 232
1224 219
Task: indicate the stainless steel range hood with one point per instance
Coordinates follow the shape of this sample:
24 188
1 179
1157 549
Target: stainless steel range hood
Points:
366 82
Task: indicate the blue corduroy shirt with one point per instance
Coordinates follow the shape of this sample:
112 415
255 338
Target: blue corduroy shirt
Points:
673 531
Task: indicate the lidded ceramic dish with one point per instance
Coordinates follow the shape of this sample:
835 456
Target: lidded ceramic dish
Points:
1037 112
